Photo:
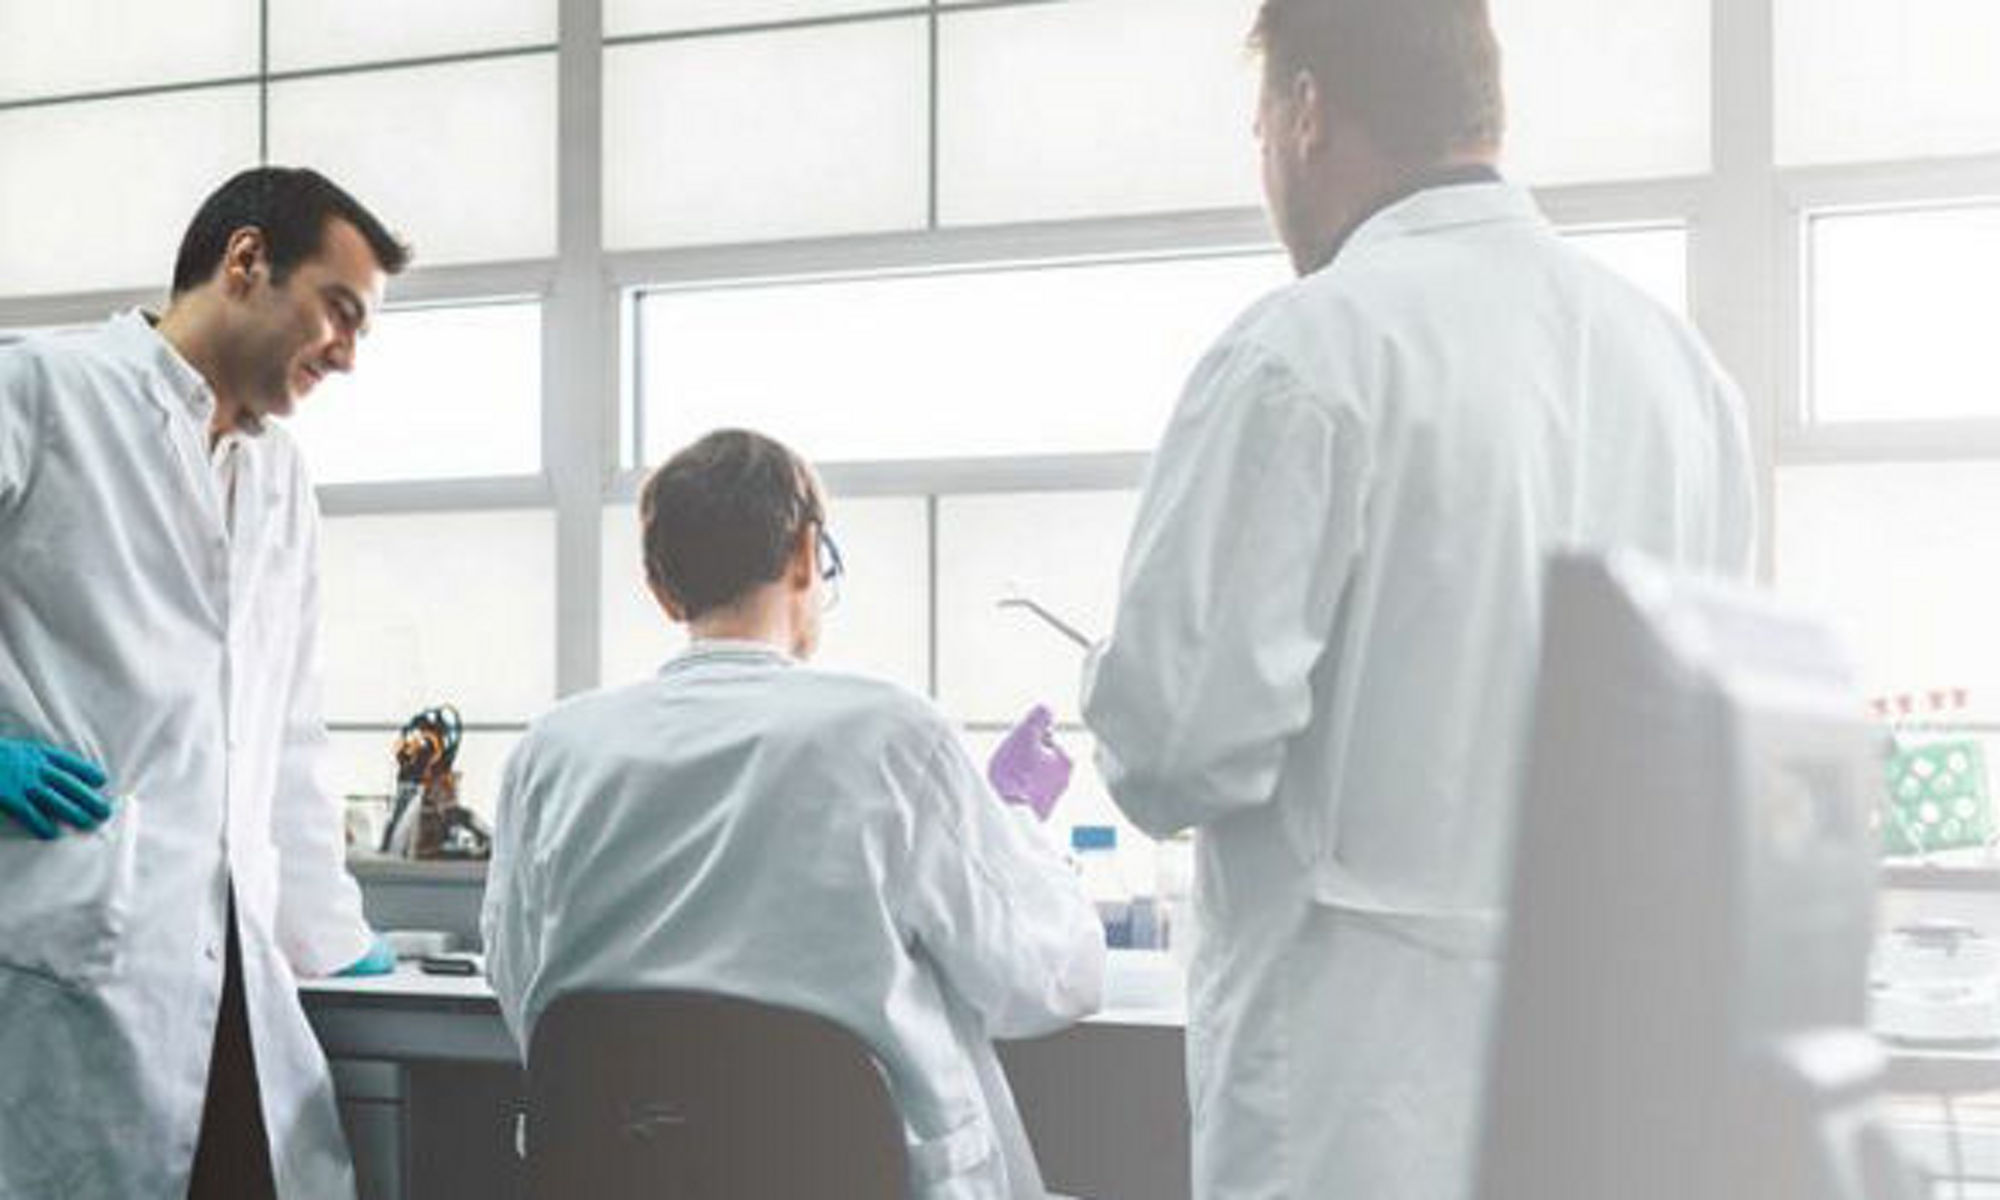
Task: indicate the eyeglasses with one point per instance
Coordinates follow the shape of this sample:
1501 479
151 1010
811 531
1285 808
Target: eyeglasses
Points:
831 569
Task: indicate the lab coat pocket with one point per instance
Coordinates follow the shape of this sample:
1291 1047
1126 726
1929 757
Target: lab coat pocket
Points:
64 904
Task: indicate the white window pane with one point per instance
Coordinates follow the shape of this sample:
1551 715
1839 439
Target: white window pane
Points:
1061 549
1600 91
61 49
1871 79
807 132
623 18
318 33
1902 314
459 159
439 608
1038 118
98 195
364 765
1904 560
880 627
1655 259
438 393
1092 358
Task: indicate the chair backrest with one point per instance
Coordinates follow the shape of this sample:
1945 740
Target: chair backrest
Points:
692 1096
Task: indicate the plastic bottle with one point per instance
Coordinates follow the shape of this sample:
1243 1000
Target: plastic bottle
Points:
1095 848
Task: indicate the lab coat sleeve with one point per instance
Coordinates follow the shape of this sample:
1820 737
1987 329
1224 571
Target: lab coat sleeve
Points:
998 912
320 923
20 423
1245 538
506 919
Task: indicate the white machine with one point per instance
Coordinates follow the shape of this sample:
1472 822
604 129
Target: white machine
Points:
1936 983
1684 989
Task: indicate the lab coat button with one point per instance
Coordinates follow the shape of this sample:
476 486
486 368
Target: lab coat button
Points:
211 953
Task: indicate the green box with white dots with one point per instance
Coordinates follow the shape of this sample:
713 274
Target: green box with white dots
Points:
1937 798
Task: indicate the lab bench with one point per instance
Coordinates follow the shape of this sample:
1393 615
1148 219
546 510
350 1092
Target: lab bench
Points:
429 1086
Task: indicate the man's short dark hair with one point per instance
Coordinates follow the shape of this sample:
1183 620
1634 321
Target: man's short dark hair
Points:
1422 76
292 206
723 517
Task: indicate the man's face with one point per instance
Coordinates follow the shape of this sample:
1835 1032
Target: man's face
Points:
297 332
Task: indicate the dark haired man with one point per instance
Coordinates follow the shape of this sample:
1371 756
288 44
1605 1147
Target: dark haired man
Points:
169 862
1329 613
746 824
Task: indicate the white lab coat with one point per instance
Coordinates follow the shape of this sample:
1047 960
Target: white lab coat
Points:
748 825
139 629
1325 647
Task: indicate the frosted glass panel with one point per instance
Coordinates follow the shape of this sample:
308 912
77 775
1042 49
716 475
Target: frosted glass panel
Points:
436 608
1902 314
364 764
1601 91
1655 259
72 216
317 33
880 627
1062 549
1905 561
1044 361
1038 116
626 17
814 131
438 393
63 47
1868 79
459 159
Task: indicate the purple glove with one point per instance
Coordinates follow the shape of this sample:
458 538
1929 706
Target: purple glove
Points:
1029 768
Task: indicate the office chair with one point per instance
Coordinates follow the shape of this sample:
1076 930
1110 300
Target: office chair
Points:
692 1096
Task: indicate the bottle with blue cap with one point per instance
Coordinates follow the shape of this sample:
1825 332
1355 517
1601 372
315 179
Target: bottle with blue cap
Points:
1095 849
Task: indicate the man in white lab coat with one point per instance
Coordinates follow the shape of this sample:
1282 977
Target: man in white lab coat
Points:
746 824
169 864
1330 604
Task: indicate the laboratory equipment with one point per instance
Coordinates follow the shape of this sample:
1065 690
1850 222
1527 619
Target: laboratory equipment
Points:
1028 768
1936 983
1095 849
426 820
1017 599
1684 985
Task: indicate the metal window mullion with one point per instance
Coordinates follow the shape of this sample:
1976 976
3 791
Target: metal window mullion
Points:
578 339
1745 293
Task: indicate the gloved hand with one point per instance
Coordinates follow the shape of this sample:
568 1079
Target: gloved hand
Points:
380 960
41 785
1029 768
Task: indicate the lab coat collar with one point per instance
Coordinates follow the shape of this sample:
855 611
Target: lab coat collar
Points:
1447 206
728 650
133 336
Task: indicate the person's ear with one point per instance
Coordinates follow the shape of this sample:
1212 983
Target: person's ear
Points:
1307 132
800 569
245 260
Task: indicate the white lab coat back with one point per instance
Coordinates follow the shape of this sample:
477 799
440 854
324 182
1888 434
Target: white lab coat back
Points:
1325 647
747 825
142 628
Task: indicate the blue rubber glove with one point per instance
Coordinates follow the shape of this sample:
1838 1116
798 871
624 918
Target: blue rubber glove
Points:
42 785
380 960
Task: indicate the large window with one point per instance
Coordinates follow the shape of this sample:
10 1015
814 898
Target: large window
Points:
964 254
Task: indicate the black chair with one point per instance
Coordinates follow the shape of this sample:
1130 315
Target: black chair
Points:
694 1096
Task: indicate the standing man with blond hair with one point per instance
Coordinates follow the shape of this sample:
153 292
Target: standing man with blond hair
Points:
1330 608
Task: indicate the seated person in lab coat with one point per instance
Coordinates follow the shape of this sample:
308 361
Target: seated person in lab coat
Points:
746 824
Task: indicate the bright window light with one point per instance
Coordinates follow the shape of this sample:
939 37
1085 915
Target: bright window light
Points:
1656 258
439 608
1052 360
76 46
1901 312
625 18
1599 91
318 33
437 393
1886 79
